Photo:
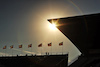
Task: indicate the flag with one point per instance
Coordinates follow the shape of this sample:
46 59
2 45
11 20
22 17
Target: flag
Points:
60 44
49 44
30 45
11 46
20 46
40 45
4 47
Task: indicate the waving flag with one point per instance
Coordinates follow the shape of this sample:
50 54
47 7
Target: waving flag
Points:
40 45
20 46
11 47
50 44
4 47
30 45
60 44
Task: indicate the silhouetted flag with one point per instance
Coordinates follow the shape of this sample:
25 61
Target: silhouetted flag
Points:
4 47
60 44
30 45
50 44
40 45
20 46
11 46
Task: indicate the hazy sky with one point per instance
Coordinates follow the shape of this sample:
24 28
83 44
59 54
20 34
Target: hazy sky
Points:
25 22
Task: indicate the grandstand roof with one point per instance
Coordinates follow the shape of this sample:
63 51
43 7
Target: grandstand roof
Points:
82 30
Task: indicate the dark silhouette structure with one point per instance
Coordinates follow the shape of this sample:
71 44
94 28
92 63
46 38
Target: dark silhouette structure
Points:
84 32
35 61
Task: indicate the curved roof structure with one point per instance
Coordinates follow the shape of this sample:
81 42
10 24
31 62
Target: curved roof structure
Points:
83 31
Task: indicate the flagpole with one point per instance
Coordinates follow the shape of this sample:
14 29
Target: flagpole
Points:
5 52
61 44
28 48
12 52
62 49
21 50
31 50
11 47
20 47
40 45
41 50
51 48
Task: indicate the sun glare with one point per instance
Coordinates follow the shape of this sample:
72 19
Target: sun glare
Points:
53 26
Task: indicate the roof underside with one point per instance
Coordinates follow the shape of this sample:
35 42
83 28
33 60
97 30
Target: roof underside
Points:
83 31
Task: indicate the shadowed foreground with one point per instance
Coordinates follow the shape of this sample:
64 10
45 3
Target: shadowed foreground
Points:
84 32
35 61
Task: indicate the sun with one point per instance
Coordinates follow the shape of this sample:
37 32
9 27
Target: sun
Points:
53 26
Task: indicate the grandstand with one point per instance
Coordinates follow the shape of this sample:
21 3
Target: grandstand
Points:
83 31
35 61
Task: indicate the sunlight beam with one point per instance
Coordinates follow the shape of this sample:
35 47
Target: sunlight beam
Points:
52 26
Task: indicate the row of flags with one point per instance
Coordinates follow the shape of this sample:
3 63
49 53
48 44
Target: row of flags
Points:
30 45
40 45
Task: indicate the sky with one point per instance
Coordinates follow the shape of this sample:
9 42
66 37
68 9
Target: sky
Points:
25 22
